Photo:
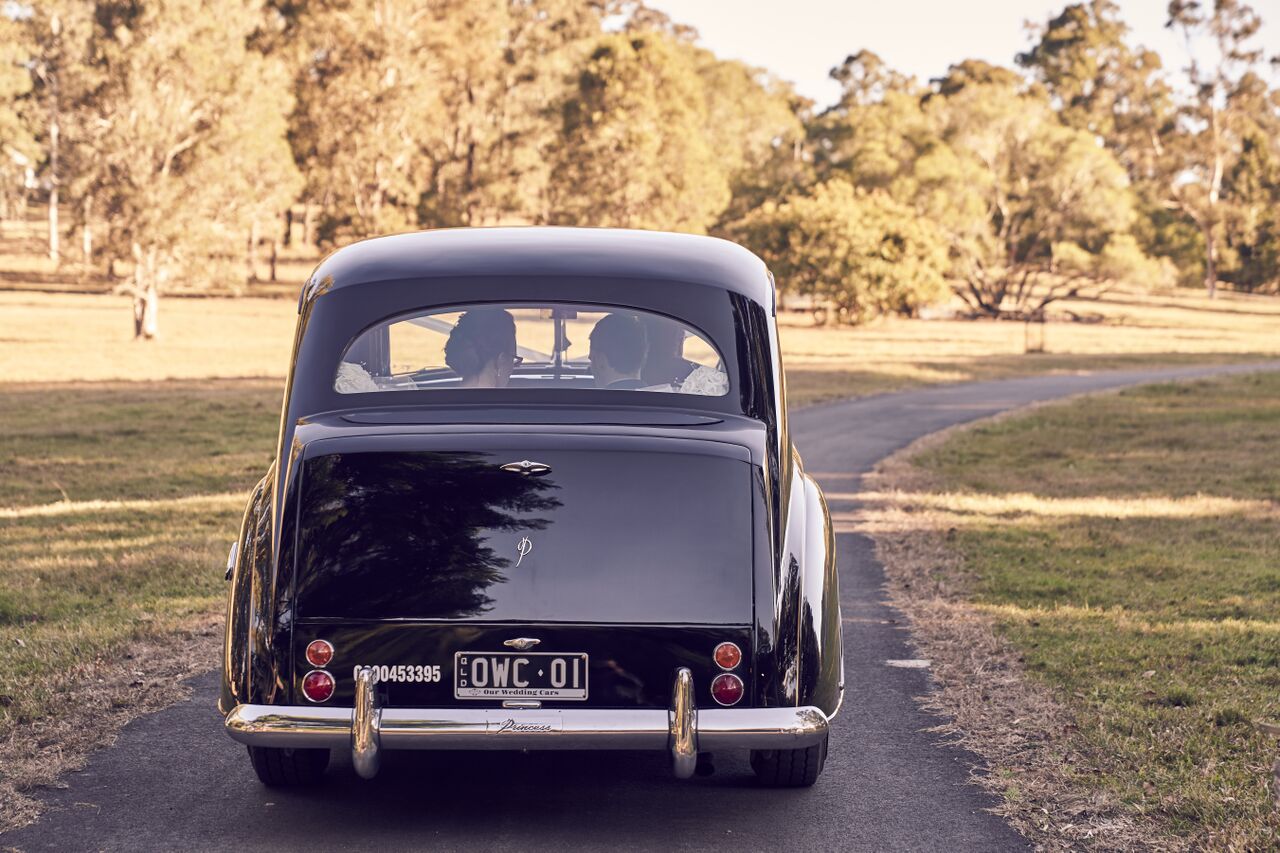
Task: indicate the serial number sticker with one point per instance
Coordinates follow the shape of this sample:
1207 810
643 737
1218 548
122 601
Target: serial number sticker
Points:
406 672
519 675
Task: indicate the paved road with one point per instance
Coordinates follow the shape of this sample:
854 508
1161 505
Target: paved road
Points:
173 781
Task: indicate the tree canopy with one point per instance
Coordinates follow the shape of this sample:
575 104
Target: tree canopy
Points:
185 129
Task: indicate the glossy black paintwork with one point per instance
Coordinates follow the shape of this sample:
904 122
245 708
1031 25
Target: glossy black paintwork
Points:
553 252
433 534
793 637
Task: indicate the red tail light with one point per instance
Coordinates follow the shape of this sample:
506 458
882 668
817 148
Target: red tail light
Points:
317 685
726 689
319 652
728 656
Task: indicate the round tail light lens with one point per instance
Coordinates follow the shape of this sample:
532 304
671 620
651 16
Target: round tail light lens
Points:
319 652
726 689
317 685
728 656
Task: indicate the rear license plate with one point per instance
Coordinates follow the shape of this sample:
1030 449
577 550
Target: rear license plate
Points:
519 675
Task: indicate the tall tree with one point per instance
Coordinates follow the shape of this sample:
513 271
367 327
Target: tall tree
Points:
1102 85
368 94
191 146
754 124
1221 56
633 149
506 60
430 114
1251 189
18 149
1052 198
58 36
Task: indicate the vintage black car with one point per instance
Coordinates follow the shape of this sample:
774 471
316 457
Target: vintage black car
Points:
534 489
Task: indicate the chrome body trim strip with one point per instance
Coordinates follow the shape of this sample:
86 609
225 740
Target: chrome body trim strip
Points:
684 725
365 724
299 726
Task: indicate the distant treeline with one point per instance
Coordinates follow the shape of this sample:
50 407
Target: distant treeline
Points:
181 131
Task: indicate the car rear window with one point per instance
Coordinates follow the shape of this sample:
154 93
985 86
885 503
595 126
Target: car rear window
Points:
524 345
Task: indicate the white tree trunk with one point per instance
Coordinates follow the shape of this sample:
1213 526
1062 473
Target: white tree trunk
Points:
54 249
86 233
146 299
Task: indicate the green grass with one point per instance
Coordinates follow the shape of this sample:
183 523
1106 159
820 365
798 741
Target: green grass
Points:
1129 546
145 482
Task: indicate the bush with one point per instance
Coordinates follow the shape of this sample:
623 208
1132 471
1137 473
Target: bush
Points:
1123 260
861 252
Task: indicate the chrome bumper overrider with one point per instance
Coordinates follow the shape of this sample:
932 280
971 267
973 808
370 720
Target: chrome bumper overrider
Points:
682 729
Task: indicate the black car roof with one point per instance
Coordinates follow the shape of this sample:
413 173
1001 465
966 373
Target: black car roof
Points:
603 252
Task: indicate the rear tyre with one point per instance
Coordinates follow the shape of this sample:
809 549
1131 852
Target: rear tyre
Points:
789 768
288 768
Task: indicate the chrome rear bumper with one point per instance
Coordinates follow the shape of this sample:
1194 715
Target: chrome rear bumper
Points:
682 729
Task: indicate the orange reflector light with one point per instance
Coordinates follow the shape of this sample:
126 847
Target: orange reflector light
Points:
317 685
726 689
319 652
728 656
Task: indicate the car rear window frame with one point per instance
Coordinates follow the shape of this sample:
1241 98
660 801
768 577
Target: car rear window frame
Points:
330 319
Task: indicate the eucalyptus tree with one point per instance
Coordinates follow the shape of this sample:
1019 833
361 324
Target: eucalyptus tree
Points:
18 149
1222 62
632 148
54 35
755 127
189 141
1052 199
367 93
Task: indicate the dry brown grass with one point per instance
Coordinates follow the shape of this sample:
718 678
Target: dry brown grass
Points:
1124 329
57 337
92 700
63 337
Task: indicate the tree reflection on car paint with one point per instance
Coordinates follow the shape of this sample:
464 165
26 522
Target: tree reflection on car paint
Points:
366 510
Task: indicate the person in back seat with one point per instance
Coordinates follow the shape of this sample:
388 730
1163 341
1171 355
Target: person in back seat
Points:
617 352
664 363
482 348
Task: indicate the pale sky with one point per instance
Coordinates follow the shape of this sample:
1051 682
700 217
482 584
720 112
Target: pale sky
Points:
801 40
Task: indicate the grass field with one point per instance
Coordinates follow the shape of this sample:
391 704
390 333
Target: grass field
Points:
1128 547
117 505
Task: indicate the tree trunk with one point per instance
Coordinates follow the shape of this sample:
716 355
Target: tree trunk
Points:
1210 261
54 252
146 307
54 249
308 226
288 226
251 256
146 299
275 257
86 232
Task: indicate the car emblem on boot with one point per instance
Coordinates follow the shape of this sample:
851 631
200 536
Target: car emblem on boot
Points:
527 468
521 644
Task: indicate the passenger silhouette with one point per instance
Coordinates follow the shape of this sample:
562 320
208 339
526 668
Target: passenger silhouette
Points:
482 348
665 363
617 352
